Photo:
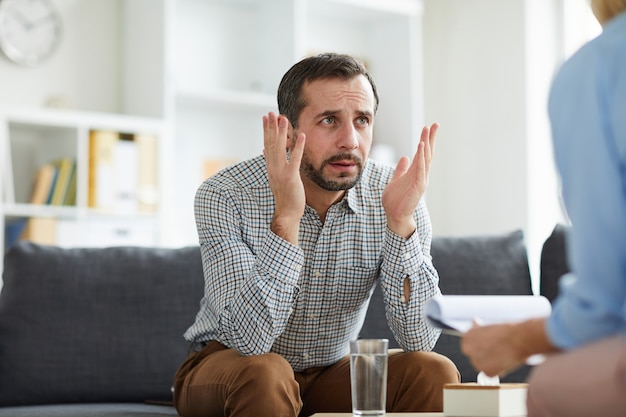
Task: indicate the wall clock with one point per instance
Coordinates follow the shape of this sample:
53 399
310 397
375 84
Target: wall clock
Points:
30 30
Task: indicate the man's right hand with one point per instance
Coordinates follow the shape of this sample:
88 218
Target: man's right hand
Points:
284 176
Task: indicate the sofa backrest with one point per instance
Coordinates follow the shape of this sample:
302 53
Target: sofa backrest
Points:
95 325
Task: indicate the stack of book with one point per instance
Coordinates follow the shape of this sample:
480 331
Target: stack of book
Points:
55 183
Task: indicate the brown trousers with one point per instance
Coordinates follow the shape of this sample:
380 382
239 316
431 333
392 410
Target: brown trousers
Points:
217 382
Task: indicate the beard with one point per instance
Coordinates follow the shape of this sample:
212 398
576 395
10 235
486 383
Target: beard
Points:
343 182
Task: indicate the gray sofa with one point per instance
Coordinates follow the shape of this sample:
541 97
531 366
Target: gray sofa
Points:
98 332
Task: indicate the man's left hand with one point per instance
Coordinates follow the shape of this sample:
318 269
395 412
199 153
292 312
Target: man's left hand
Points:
408 185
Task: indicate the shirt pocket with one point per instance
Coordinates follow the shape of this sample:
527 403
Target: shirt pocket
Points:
352 286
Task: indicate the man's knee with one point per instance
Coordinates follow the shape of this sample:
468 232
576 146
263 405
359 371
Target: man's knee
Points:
437 367
267 385
267 369
263 385
416 381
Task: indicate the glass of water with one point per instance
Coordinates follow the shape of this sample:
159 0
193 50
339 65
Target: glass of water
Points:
368 376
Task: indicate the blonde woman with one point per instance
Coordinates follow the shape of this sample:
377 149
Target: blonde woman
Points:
585 337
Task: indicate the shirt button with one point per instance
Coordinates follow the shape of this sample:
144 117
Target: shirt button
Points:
312 316
298 268
305 355
316 274
407 256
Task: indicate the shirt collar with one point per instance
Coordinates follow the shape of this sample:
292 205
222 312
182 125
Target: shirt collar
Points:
354 196
350 200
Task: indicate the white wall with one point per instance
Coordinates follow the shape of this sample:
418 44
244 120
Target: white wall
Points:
487 67
474 71
544 54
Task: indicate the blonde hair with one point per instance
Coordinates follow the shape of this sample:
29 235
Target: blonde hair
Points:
607 9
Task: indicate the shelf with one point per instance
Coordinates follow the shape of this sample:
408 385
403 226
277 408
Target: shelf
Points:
33 117
31 210
65 212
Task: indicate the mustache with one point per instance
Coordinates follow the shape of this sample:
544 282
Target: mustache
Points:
344 157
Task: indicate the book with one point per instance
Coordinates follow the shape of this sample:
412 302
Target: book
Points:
65 168
101 169
456 314
473 400
13 230
44 182
54 179
40 230
70 195
147 187
125 174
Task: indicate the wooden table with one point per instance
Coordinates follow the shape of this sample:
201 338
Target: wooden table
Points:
386 415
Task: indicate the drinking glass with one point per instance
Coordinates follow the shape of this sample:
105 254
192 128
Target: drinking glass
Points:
368 376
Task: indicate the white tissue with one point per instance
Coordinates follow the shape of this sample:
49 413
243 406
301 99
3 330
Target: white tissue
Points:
483 379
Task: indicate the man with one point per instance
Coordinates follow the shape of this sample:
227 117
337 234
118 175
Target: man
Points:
293 243
585 373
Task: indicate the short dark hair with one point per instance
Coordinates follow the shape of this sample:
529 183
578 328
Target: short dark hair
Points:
327 65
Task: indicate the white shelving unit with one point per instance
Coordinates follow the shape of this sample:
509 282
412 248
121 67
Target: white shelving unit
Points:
30 138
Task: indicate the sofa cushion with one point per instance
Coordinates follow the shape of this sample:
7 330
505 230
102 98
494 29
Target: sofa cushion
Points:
482 265
474 265
94 325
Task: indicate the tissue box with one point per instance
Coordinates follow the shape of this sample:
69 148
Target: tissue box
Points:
473 400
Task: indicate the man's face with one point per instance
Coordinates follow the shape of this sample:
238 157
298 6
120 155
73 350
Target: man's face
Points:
338 121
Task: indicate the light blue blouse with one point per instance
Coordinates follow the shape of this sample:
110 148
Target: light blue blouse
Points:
588 115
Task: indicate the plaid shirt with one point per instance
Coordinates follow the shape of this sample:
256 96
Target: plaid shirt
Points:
263 294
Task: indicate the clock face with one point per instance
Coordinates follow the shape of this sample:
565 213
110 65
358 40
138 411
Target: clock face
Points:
30 30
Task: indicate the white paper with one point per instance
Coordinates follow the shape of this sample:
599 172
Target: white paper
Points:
456 314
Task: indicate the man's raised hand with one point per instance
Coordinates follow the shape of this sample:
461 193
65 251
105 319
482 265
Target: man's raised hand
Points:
283 169
408 185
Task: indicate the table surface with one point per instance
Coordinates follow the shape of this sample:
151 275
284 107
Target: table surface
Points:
386 415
